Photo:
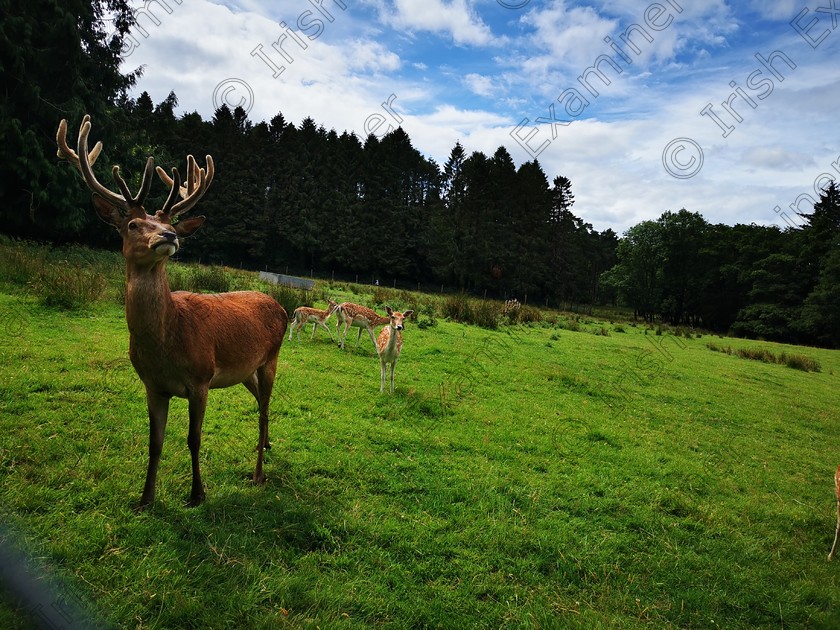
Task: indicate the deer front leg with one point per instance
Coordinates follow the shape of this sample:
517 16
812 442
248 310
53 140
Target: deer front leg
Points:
836 535
383 369
198 405
393 367
325 327
158 412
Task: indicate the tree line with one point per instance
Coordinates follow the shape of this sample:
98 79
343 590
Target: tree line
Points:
751 280
302 198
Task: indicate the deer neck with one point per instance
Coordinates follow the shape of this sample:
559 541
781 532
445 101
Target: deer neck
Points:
148 302
391 346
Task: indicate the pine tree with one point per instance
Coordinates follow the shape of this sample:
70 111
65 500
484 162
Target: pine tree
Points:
59 60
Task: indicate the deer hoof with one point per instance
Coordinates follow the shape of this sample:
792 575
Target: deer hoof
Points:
195 500
141 506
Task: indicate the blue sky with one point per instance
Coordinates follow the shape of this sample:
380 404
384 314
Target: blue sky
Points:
625 83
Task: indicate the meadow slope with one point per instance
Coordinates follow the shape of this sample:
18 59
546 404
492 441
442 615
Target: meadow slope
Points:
529 476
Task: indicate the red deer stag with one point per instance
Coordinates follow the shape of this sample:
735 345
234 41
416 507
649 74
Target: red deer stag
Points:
181 344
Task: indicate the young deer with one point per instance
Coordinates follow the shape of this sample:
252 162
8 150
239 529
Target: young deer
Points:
389 344
837 529
181 344
305 315
352 315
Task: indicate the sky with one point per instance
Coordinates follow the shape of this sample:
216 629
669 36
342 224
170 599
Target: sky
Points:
725 109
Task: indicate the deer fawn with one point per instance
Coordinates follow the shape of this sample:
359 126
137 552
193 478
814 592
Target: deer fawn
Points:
305 315
389 344
181 344
837 529
361 317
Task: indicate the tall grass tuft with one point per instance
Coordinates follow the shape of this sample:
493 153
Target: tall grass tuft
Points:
213 279
70 287
198 278
485 313
757 354
524 315
289 298
795 361
456 307
711 345
21 262
466 310
800 362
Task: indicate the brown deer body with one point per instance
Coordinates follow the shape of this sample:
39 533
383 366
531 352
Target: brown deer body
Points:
317 317
352 315
389 344
182 344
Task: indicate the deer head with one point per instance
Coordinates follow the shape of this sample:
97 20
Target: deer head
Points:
397 318
147 238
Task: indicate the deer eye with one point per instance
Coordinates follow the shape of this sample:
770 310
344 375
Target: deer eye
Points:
132 225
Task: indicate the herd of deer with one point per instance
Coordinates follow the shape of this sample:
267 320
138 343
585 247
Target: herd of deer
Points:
184 344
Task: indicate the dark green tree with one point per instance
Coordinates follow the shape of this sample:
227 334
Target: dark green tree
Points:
444 239
683 238
638 274
57 60
821 311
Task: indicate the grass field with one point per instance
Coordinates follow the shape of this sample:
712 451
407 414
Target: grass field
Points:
528 476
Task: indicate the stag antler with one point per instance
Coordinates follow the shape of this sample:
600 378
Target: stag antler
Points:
83 160
198 180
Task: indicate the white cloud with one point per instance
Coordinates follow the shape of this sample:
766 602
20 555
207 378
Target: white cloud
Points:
479 84
454 19
373 56
613 154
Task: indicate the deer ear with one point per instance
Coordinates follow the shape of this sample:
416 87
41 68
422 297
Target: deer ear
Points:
106 211
188 227
407 314
388 310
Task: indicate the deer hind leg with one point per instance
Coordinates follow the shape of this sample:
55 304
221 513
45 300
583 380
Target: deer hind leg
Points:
265 378
253 386
198 405
158 413
836 534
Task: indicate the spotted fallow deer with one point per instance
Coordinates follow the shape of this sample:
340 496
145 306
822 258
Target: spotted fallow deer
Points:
389 344
317 317
837 529
356 316
181 344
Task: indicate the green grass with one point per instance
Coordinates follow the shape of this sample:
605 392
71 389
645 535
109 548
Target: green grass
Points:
529 476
